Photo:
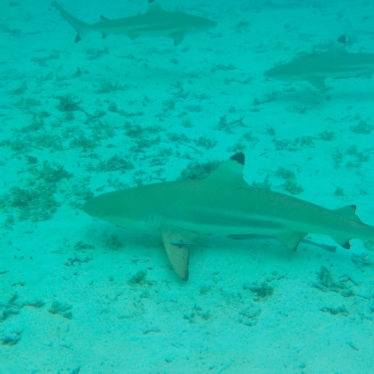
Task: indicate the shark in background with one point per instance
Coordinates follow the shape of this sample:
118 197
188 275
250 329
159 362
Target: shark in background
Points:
335 63
224 204
155 22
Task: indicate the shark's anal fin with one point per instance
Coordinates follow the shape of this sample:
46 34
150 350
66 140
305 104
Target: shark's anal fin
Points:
291 239
177 243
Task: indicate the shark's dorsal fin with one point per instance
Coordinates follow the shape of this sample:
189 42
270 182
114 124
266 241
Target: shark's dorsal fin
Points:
103 18
349 212
337 49
229 171
153 6
343 39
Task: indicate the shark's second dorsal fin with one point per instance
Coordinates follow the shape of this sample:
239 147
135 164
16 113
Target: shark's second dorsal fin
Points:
229 171
153 6
349 212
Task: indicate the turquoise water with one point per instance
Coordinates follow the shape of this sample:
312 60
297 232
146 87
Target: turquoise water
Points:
82 295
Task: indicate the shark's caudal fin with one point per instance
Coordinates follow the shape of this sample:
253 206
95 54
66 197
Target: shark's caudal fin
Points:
81 27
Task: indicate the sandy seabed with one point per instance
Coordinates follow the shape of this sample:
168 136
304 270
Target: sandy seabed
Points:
81 296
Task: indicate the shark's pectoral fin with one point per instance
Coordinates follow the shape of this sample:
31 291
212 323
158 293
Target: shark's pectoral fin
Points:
318 83
177 37
132 35
291 239
177 243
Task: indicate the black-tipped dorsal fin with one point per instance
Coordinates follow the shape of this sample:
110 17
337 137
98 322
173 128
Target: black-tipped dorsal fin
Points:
337 48
348 212
153 6
343 39
229 171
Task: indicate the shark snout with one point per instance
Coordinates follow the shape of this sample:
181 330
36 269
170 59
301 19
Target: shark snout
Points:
91 208
100 206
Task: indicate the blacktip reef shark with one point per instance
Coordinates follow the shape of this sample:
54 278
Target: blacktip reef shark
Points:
224 204
154 22
335 63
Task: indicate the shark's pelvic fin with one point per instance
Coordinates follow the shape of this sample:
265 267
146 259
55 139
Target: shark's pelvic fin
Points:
343 241
318 83
291 240
177 251
177 37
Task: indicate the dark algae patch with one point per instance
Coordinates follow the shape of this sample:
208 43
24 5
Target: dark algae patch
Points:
64 310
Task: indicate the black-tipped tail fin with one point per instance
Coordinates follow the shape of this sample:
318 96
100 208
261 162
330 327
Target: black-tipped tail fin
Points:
80 27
